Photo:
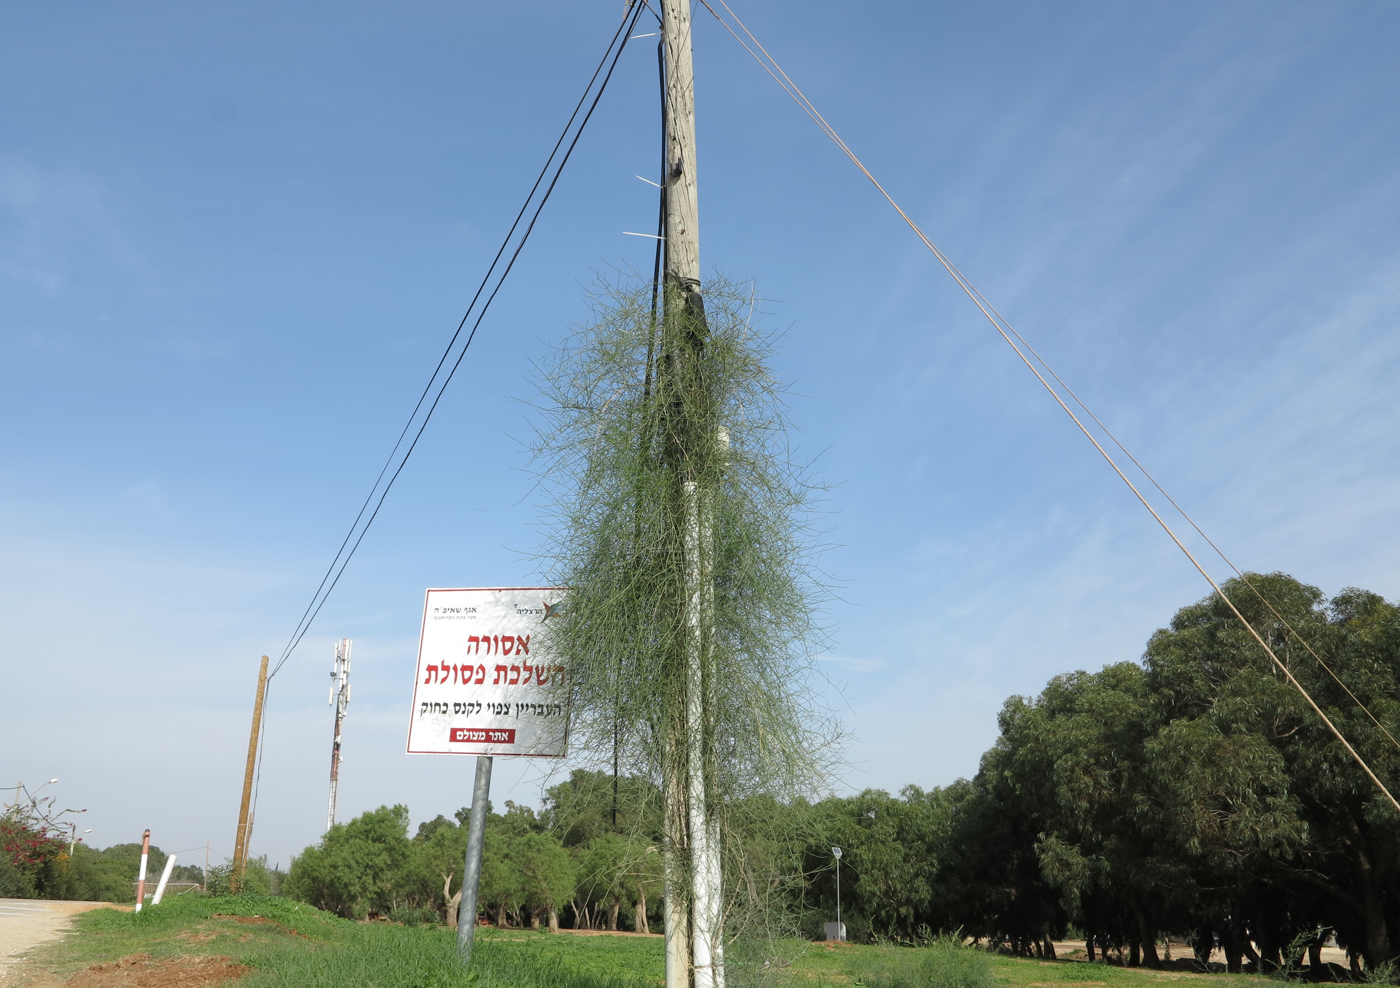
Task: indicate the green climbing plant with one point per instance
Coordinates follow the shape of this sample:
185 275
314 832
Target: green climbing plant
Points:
661 440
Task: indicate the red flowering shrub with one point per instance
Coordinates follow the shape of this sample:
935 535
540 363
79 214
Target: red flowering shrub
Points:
33 848
26 845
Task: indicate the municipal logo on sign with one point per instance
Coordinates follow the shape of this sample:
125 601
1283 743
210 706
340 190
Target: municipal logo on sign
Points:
481 686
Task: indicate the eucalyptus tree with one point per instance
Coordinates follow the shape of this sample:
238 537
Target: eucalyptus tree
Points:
1338 839
591 803
1143 822
547 875
1068 768
357 867
892 850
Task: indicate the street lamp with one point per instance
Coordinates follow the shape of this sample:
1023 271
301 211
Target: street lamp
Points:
840 930
73 837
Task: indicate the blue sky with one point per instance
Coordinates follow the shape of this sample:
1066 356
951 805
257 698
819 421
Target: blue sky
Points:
234 238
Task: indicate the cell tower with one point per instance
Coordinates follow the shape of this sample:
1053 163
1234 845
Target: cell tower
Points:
340 699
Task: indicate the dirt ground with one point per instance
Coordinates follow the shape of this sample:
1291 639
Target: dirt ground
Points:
1074 950
139 971
26 923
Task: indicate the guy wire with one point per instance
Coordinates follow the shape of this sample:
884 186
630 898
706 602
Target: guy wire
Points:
1191 521
978 300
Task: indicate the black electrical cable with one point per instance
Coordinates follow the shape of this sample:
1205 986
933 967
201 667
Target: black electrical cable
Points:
615 48
661 205
651 349
323 591
660 224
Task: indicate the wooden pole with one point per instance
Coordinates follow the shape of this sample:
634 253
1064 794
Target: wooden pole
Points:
141 878
240 841
694 940
682 192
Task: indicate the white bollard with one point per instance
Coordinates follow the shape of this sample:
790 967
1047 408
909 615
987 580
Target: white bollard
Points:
164 877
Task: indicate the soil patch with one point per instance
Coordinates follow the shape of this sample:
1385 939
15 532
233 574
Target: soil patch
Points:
139 971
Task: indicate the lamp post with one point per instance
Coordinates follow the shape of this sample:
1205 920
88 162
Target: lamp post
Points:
840 930
73 837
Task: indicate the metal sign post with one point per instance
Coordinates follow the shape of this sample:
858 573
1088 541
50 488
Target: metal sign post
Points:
471 867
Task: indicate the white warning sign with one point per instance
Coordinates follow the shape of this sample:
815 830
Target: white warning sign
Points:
481 687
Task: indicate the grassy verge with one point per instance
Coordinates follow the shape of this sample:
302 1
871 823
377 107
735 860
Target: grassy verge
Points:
923 967
291 945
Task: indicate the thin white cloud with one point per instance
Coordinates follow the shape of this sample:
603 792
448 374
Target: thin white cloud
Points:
52 221
855 663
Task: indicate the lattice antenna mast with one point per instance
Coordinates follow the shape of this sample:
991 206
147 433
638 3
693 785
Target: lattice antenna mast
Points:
340 699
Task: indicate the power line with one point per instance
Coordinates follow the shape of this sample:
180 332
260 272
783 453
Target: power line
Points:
357 530
611 54
1192 522
1007 333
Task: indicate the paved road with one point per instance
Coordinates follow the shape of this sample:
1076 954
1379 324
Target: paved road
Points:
26 923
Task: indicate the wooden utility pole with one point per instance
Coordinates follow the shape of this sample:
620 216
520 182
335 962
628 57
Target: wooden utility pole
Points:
141 878
240 841
682 193
694 941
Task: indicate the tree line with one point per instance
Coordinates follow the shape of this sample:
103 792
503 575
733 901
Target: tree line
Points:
1192 794
36 865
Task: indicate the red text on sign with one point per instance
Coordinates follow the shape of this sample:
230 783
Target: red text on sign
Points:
482 735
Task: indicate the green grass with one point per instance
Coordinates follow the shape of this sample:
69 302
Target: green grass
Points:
639 961
291 945
913 967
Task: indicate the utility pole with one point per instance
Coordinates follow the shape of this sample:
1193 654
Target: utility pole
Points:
340 699
240 840
691 829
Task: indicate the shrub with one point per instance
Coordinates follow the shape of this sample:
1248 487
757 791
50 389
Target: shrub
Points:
945 963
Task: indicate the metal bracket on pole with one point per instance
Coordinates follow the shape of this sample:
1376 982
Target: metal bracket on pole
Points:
471 867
